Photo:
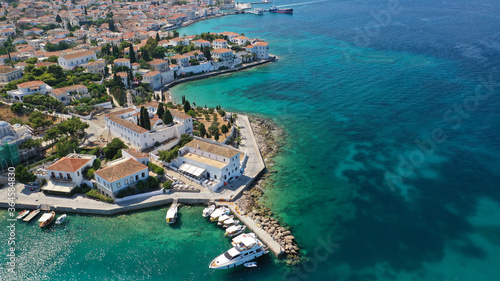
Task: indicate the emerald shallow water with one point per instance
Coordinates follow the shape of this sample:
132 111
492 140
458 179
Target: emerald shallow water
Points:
352 112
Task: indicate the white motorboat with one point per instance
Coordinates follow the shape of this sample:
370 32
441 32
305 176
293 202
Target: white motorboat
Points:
246 248
218 212
172 213
257 11
250 264
46 219
235 230
229 222
224 217
61 219
208 211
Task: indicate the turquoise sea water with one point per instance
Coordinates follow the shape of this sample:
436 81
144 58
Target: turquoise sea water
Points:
392 155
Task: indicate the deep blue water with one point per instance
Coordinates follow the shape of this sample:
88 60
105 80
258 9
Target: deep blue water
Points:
392 156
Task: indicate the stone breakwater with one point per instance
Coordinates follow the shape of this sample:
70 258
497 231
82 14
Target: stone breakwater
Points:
270 139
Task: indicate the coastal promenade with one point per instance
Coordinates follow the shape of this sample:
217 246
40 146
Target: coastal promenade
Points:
27 199
217 72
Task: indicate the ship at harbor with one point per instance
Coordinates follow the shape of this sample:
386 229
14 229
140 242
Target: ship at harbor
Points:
275 9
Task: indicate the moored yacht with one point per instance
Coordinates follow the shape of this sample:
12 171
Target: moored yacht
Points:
234 230
246 248
218 212
208 211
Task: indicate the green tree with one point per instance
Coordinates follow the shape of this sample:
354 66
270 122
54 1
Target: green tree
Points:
161 111
157 37
112 149
31 143
132 54
187 106
23 175
58 19
38 120
97 164
224 129
202 129
52 59
167 117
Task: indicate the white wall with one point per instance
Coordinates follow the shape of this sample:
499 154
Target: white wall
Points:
113 187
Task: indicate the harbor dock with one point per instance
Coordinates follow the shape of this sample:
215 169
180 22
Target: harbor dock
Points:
274 246
31 215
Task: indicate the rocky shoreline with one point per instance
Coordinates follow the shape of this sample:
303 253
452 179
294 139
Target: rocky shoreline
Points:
270 140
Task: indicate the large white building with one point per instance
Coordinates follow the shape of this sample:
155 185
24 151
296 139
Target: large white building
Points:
120 174
210 163
124 124
29 88
71 61
260 49
8 74
67 173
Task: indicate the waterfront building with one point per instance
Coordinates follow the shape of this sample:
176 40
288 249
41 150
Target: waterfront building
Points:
29 88
154 78
260 49
120 174
222 54
71 61
124 124
230 35
66 173
138 156
209 163
181 60
159 65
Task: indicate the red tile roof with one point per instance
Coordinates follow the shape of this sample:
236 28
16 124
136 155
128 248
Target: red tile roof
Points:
121 170
67 164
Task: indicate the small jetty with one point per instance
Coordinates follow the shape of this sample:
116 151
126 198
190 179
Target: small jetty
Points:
272 244
32 215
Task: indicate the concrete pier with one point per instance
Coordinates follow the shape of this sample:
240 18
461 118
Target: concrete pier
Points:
274 246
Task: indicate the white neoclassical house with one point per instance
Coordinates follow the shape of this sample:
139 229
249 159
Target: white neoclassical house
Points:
120 174
71 61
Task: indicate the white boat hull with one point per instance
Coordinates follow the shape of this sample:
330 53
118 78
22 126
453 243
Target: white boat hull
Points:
238 262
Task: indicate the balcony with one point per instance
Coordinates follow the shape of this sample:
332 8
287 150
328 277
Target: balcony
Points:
61 179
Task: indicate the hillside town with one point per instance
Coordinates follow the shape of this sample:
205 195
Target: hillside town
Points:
85 102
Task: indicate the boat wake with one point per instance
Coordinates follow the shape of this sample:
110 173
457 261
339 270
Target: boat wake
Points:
300 4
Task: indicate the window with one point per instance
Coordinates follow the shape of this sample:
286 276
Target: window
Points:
126 181
136 177
131 179
143 175
118 185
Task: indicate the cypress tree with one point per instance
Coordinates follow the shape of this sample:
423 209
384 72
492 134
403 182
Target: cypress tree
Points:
85 10
58 19
167 117
141 116
187 106
157 37
183 99
131 54
160 111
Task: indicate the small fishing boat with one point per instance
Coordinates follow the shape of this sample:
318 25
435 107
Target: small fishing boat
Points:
218 212
250 264
46 219
234 230
172 213
23 214
61 219
208 211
